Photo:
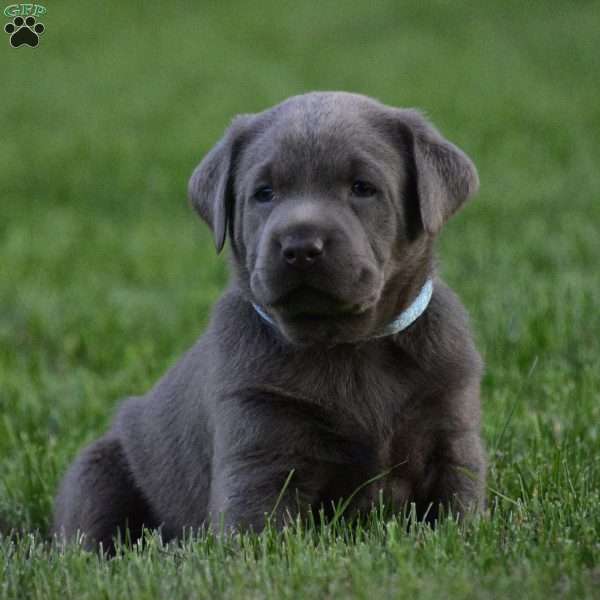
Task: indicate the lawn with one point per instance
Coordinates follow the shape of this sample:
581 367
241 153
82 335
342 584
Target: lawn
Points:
106 276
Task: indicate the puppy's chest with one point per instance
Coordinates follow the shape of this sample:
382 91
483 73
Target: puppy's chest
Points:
342 419
370 403
369 390
372 406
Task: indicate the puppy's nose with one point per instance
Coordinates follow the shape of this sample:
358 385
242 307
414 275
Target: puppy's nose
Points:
301 252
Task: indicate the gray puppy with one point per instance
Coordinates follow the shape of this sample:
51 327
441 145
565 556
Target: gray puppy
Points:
336 354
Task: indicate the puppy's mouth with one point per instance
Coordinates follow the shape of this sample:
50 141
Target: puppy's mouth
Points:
308 304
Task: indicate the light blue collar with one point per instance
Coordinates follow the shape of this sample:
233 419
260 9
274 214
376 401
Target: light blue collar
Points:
400 323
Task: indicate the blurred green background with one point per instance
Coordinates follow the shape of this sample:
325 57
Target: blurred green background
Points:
106 275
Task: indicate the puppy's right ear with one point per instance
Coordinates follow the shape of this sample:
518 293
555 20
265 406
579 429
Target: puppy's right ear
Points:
211 186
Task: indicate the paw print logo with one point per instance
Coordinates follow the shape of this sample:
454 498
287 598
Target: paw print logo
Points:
24 31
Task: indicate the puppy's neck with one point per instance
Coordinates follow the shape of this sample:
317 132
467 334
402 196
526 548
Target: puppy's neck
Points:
399 323
409 314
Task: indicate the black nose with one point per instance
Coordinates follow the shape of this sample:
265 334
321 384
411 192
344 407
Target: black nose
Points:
301 252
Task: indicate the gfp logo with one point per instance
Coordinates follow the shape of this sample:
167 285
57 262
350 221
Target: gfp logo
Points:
25 29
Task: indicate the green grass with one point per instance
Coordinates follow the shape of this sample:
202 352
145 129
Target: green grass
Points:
106 277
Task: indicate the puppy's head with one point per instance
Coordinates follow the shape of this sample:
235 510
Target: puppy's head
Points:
331 202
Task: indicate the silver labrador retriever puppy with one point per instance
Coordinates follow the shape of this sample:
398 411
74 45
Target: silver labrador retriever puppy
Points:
336 353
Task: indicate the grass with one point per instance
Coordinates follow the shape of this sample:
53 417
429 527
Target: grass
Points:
106 277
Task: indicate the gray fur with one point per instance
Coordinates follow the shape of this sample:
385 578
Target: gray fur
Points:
215 439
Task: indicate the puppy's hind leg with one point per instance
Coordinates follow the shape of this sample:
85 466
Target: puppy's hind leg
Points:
98 498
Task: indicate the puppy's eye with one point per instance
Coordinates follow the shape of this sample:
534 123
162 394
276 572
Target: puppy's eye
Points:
264 194
363 189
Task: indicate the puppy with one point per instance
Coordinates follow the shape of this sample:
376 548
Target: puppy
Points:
335 356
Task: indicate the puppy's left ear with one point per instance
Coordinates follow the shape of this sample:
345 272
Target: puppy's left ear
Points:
211 186
445 176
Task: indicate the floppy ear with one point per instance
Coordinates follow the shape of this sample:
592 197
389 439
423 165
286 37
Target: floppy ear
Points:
211 186
445 176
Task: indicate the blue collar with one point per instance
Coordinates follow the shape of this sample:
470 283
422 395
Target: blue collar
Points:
400 323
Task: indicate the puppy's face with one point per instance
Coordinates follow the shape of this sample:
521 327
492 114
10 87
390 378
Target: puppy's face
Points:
331 201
